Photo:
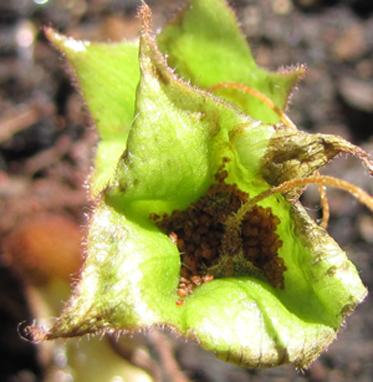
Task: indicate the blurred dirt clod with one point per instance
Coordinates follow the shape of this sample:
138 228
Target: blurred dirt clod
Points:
45 247
351 45
357 93
21 117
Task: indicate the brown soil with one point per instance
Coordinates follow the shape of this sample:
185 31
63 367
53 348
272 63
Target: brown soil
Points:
46 147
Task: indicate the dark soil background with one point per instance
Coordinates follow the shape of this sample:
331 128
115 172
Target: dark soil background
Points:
45 146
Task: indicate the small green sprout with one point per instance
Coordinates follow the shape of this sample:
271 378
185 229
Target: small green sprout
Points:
196 224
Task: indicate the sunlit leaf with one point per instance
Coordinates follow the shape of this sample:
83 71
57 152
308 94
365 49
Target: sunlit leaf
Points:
205 46
107 76
182 143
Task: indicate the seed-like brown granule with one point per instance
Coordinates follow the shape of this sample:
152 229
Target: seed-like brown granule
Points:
208 249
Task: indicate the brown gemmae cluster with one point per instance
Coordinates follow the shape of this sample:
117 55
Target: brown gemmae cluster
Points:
210 248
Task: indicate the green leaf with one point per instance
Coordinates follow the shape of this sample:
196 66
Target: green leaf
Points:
107 76
177 144
205 46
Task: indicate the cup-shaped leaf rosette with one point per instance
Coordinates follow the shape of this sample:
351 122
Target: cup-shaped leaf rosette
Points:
190 152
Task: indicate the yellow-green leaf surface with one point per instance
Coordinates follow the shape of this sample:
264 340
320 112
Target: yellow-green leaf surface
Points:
204 45
176 143
107 76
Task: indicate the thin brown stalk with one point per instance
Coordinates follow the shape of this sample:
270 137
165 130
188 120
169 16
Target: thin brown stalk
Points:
257 94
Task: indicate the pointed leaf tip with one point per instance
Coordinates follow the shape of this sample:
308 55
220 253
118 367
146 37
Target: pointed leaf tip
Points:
107 76
210 28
